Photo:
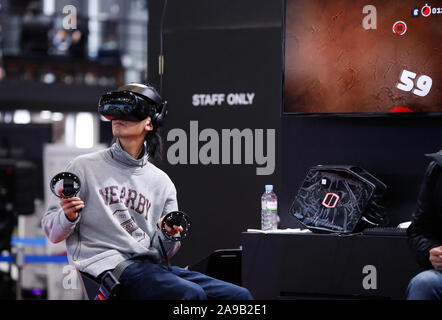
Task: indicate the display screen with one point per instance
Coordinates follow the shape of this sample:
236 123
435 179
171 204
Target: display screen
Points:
363 56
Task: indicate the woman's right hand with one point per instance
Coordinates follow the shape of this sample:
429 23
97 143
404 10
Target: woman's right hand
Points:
70 206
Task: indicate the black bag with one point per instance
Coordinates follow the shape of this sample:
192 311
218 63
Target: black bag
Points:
340 199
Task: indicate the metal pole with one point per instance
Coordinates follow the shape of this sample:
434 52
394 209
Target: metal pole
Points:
19 262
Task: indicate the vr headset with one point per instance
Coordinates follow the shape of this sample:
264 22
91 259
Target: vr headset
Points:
133 102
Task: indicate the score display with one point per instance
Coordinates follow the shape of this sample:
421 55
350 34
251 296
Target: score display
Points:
423 83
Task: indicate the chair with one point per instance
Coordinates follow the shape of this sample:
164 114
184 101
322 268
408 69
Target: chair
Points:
223 264
106 288
89 285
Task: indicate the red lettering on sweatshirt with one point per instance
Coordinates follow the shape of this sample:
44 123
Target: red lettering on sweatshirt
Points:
129 225
105 197
132 196
141 204
147 208
122 194
113 195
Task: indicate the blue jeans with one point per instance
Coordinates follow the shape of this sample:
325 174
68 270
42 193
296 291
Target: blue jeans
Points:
427 285
149 281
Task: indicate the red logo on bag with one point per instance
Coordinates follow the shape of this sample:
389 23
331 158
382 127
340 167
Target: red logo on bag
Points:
330 200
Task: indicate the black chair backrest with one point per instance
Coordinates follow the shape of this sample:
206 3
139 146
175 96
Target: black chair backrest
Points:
90 285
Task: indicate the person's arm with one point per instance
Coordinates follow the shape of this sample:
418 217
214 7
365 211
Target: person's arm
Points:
422 228
170 205
61 217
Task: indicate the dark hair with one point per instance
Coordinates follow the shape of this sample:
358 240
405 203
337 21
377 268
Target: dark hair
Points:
154 145
154 140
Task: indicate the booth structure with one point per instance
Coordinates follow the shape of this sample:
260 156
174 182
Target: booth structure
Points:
317 266
257 47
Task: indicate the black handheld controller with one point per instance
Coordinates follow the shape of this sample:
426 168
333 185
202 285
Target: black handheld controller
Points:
176 218
71 185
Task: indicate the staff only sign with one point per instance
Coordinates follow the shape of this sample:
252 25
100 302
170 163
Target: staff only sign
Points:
220 99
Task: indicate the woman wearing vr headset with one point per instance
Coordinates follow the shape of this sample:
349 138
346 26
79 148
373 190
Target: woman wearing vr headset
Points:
119 209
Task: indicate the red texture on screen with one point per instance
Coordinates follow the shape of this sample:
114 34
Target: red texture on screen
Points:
334 65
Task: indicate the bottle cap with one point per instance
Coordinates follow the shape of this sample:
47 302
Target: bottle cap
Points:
269 187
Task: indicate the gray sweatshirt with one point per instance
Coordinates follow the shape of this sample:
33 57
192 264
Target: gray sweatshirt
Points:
124 198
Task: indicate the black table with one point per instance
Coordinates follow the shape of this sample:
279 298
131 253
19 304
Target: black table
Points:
324 266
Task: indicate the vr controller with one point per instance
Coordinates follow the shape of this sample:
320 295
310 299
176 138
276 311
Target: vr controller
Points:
133 102
176 218
72 185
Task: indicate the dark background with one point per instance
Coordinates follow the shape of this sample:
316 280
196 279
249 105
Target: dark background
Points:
390 148
26 142
236 46
218 47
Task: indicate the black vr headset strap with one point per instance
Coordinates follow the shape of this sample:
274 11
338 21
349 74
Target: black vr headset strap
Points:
160 116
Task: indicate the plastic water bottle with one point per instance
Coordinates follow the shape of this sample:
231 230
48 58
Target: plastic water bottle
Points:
269 209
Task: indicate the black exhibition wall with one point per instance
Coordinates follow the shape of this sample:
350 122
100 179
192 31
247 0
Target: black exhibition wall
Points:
213 48
390 147
222 81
